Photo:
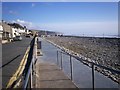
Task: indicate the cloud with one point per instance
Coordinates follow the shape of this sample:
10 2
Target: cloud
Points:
29 25
13 12
33 5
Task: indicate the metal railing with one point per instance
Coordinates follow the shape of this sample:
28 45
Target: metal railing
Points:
93 65
28 71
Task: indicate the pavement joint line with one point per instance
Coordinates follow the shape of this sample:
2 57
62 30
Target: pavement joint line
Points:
44 70
44 65
54 80
20 69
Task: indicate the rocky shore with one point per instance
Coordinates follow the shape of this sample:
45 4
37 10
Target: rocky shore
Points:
102 51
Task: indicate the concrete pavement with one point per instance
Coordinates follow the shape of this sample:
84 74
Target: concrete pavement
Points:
48 75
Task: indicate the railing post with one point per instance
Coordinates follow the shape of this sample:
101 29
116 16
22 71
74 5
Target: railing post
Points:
30 81
93 77
32 72
118 82
57 58
61 60
71 68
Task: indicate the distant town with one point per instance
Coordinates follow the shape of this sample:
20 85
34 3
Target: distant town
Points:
8 31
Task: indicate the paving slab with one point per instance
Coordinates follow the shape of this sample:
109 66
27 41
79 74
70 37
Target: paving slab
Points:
48 75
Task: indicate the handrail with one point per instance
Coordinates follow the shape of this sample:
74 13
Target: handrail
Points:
78 58
29 66
81 60
27 77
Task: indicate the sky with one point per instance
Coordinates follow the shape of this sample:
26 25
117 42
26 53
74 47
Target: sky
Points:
74 18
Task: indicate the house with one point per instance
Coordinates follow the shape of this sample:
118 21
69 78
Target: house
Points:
21 31
15 32
1 31
7 31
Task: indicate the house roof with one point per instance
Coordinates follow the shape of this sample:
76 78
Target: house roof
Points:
6 28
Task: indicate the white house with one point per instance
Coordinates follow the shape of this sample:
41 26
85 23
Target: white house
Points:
1 31
21 31
15 32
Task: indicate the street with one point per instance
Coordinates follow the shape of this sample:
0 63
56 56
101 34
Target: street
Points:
12 54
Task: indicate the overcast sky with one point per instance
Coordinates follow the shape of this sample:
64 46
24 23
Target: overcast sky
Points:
76 18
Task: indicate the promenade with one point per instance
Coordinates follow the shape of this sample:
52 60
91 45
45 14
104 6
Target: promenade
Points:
48 75
47 68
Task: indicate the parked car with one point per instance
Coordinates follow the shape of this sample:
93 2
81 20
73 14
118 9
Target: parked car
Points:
17 38
28 36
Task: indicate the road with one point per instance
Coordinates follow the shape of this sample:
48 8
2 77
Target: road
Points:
12 54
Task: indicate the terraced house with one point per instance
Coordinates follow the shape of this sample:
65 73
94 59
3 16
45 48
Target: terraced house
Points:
1 31
10 30
7 31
